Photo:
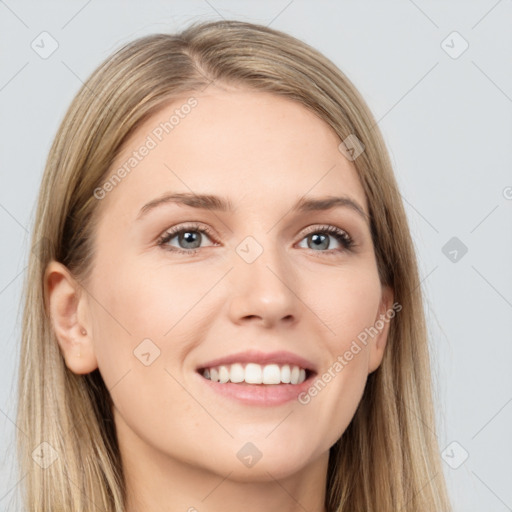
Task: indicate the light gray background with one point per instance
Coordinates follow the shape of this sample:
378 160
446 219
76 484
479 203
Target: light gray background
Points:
447 123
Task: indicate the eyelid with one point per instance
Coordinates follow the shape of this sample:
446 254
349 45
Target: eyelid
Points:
191 226
313 228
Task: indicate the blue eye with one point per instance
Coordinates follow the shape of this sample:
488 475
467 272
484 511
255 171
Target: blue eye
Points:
190 237
319 240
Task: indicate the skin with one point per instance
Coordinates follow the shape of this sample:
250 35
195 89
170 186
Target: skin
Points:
179 439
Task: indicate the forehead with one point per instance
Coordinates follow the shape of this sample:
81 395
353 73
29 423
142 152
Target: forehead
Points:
256 148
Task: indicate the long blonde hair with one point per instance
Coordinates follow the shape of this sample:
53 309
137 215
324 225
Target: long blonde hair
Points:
388 458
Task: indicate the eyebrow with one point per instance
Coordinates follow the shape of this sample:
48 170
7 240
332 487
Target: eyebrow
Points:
216 203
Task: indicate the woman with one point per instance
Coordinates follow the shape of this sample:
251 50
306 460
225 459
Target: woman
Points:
223 307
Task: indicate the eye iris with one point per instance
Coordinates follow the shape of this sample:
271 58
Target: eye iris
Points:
320 241
190 237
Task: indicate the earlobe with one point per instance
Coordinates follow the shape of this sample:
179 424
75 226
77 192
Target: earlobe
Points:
381 325
67 307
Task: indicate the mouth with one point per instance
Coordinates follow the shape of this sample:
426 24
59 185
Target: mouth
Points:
257 374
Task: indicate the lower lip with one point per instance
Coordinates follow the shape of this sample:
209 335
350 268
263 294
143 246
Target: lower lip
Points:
259 394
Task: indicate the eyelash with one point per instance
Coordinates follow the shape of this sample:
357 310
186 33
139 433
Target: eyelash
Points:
341 236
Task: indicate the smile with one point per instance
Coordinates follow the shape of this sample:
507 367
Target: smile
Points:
253 373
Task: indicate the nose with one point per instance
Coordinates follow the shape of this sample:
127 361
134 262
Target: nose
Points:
264 291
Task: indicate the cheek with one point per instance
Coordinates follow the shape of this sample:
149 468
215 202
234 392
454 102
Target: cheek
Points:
346 302
349 306
136 308
149 300
143 313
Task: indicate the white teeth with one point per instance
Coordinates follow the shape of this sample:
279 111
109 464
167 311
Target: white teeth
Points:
223 374
285 374
271 374
237 373
254 373
294 378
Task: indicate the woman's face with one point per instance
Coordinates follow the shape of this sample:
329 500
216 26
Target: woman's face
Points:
261 283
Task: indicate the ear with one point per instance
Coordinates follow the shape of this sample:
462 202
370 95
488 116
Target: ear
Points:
69 311
381 326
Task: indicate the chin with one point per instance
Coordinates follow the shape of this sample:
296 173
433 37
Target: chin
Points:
250 464
265 471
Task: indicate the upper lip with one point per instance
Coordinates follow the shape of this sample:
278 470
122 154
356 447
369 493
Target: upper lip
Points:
255 356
